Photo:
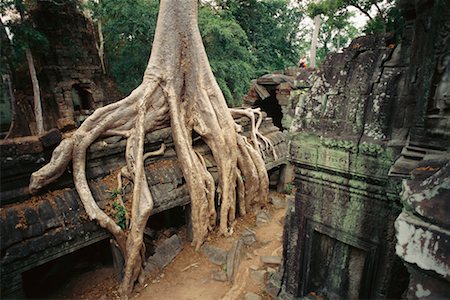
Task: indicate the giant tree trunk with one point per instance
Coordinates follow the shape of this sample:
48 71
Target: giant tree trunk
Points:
312 53
36 94
179 89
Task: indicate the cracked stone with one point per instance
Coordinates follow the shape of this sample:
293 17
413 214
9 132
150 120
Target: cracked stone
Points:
215 255
258 276
271 260
248 237
219 275
262 218
164 254
234 259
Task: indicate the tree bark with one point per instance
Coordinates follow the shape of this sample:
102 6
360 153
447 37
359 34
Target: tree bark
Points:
312 54
101 46
36 94
179 89
339 40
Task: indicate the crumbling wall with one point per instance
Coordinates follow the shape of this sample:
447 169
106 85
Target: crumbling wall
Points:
340 237
358 126
422 229
37 229
70 75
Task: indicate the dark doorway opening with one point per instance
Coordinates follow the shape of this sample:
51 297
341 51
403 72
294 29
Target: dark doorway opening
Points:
271 107
51 279
81 98
163 225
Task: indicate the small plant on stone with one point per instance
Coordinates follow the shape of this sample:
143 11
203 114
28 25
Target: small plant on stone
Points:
120 214
289 188
115 193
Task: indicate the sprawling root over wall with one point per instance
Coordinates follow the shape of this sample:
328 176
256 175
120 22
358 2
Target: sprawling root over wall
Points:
178 87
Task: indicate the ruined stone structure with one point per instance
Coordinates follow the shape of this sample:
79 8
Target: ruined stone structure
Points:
423 236
71 78
271 93
39 229
358 126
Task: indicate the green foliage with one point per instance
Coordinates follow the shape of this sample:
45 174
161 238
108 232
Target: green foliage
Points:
22 31
271 28
336 32
392 22
289 188
229 53
382 14
115 193
128 29
120 215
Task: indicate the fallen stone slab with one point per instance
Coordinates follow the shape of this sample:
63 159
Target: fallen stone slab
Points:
263 218
259 276
252 296
219 275
215 255
234 259
273 286
278 200
248 237
164 254
271 260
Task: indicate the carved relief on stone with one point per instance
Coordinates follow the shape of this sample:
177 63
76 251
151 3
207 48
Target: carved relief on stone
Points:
442 93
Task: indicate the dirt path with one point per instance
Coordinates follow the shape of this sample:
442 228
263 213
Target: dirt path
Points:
189 275
196 281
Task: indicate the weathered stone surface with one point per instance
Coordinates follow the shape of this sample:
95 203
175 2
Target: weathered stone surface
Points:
164 254
55 221
369 113
252 296
271 260
234 259
428 193
278 200
423 238
344 205
51 138
46 211
259 276
215 255
219 275
248 237
424 286
273 286
423 244
263 218
27 145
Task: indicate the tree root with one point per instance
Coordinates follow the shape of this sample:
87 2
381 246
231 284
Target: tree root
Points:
179 89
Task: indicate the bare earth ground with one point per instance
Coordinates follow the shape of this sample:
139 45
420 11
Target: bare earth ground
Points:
189 275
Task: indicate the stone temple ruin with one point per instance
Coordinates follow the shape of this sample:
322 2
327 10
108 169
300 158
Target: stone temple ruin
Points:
366 138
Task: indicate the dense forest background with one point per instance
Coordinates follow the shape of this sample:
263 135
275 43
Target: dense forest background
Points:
244 39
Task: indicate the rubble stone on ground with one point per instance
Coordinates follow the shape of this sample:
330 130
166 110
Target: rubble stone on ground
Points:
271 260
248 237
234 259
219 275
215 255
258 276
262 218
278 200
164 254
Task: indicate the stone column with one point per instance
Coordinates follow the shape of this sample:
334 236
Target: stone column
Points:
423 230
